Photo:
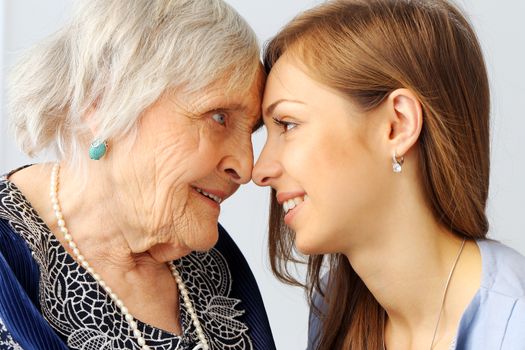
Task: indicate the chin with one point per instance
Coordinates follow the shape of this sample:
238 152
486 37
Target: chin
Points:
307 250
206 237
307 245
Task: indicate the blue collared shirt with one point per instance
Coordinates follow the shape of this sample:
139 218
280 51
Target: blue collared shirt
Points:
495 318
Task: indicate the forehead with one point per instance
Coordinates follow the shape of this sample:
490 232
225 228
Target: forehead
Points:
223 95
290 85
288 80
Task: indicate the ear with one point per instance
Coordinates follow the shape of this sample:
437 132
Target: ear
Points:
406 119
88 119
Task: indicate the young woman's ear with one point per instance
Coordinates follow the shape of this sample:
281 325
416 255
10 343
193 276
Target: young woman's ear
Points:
406 119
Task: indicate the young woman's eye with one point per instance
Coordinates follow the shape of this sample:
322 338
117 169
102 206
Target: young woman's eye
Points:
286 126
219 118
289 126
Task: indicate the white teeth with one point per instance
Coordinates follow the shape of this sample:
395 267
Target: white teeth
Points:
292 203
209 195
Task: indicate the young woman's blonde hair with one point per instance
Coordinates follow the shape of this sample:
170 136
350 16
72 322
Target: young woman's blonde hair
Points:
115 58
366 49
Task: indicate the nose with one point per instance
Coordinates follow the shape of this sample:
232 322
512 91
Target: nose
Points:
238 164
266 169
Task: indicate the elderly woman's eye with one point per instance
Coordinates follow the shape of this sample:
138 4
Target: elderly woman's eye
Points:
219 118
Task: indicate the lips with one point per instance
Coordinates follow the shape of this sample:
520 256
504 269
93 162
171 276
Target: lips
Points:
291 202
210 195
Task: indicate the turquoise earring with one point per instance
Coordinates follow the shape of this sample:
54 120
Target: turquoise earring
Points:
98 149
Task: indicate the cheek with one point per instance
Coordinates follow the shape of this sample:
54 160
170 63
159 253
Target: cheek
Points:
321 160
185 156
353 196
175 147
337 172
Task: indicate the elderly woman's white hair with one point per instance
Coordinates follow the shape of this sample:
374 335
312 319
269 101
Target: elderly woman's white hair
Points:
117 57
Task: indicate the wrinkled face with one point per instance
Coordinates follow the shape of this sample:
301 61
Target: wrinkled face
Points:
319 157
190 154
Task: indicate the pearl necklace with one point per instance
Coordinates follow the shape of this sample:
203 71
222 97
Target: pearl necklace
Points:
203 342
442 299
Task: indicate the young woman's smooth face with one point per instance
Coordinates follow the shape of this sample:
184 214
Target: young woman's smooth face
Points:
323 154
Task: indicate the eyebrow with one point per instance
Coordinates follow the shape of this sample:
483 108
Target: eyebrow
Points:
271 108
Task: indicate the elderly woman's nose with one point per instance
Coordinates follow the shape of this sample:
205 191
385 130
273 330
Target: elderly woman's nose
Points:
239 164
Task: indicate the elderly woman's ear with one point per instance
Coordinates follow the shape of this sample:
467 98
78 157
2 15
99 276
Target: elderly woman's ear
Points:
97 147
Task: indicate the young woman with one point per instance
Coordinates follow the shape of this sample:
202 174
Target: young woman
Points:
377 114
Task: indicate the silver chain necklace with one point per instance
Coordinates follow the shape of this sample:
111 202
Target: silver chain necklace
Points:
442 299
202 343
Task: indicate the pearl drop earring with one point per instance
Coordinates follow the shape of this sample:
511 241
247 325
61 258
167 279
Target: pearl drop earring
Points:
397 163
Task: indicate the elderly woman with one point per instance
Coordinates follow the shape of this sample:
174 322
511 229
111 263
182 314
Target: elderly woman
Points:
150 107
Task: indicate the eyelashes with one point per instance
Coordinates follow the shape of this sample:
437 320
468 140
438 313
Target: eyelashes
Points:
285 126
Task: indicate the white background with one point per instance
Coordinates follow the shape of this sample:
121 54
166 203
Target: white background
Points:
500 27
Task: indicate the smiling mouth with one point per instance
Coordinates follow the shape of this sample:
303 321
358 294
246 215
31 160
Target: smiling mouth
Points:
213 197
292 203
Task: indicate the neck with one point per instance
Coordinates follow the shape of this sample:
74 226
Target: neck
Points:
144 283
406 267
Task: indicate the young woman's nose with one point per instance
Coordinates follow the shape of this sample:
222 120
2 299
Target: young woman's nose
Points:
266 169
